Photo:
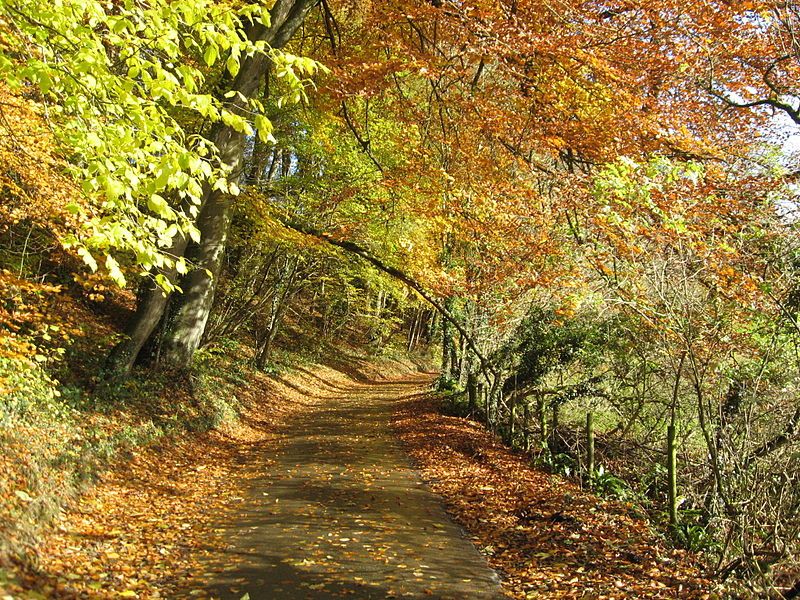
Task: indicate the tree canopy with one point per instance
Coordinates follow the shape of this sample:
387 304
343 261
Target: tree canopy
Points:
585 206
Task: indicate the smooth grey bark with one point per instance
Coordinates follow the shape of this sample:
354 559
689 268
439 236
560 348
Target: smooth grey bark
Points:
186 327
150 307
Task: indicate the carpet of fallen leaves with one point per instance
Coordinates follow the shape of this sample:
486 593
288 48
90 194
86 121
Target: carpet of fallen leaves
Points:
147 528
543 534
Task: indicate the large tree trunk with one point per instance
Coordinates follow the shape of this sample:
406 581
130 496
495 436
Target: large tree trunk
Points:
192 313
150 306
189 321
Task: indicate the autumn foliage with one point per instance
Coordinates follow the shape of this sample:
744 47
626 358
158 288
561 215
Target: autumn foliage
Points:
571 208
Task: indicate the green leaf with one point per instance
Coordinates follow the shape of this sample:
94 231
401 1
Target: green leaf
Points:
211 54
232 64
158 205
264 128
87 258
114 271
164 283
194 234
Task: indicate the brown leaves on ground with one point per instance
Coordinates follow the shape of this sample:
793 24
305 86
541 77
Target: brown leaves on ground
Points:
547 537
33 183
140 531
149 526
145 529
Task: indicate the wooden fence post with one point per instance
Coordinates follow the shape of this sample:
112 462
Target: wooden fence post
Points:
472 393
483 393
526 427
672 475
542 409
590 448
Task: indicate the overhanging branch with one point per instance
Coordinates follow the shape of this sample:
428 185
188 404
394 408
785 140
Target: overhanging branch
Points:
486 367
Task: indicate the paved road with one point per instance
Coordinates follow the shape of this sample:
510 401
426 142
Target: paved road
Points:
340 512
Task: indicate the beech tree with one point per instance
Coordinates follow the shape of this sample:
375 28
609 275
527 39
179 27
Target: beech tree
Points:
186 326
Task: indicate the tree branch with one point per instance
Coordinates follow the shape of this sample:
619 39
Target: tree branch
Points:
776 442
486 367
365 143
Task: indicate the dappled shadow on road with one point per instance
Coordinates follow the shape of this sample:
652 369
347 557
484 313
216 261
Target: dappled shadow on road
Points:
339 511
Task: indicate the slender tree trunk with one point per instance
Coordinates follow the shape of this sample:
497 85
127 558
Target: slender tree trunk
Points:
417 328
413 330
426 326
264 349
285 288
467 358
447 342
464 366
188 324
230 316
379 304
432 328
454 359
494 399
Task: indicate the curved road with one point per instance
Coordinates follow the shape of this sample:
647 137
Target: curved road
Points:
340 512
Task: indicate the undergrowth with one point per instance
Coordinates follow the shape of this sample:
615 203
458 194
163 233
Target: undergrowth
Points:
691 533
58 438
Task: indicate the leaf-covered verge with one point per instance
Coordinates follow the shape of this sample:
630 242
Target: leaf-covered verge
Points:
543 534
147 524
59 435
60 424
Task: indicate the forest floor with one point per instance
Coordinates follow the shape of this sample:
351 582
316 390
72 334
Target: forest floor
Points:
312 495
546 536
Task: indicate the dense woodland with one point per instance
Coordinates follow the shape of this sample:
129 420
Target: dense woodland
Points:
584 210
